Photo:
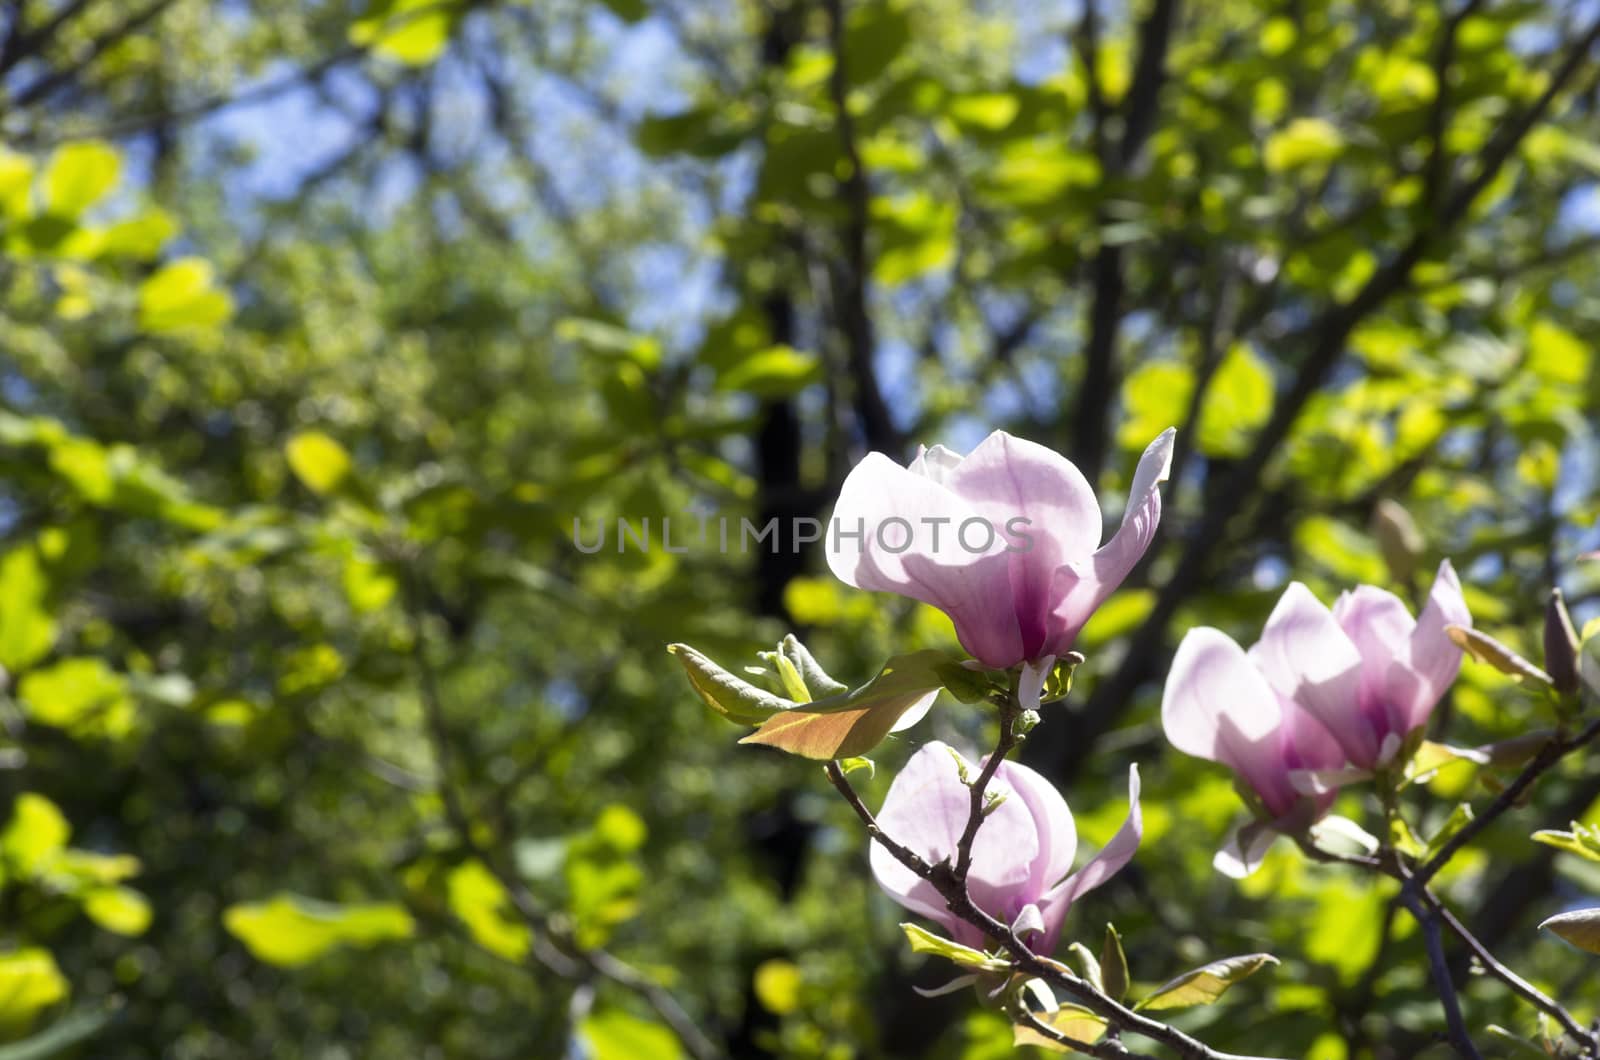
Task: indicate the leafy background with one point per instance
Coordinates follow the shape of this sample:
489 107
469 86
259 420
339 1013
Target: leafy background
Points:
321 323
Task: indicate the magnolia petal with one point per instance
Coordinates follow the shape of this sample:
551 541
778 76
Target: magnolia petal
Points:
926 810
958 983
1244 849
1380 626
1083 586
883 504
1030 920
1307 657
1218 706
1117 853
1343 828
1030 682
1006 479
936 463
1057 832
1435 658
1316 782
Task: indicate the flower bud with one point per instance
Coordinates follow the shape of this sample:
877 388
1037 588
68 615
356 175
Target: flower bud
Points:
1560 645
1398 538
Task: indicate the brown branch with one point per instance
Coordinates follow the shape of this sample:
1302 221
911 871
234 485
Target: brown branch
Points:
950 882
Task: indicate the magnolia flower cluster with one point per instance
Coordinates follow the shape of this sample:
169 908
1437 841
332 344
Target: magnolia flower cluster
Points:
1325 697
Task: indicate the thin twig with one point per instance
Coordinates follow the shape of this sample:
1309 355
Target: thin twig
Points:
943 877
1456 1026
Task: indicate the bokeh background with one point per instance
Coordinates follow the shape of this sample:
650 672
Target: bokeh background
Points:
321 323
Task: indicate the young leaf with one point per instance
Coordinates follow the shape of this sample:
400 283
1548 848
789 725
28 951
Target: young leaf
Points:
1114 965
816 678
1089 964
732 697
1070 1021
1581 927
1486 649
925 941
317 461
1204 985
1459 818
1584 842
849 724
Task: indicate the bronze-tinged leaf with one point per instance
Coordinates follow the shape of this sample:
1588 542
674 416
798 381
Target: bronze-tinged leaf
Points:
850 724
1486 649
1581 927
1204 985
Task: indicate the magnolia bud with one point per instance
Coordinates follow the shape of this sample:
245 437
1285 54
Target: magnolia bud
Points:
1560 644
1398 538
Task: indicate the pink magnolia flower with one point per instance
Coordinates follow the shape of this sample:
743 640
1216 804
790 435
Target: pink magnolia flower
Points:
1323 697
1006 541
1022 857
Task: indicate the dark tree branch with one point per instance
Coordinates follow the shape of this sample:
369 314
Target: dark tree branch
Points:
854 278
1327 336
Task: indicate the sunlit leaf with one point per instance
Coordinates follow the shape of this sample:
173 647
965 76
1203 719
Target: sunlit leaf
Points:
1205 985
79 175
291 930
317 460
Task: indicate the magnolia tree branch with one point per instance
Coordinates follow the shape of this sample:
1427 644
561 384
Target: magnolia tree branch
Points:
550 945
1431 912
950 880
1456 1026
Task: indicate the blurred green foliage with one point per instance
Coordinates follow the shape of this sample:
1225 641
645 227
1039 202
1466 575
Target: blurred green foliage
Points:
322 327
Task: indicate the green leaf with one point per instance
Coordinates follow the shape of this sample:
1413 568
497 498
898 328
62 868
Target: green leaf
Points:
1582 841
608 340
628 10
78 176
852 723
121 910
413 32
38 830
1114 965
290 930
183 295
1089 964
60 1037
1580 927
1303 142
368 585
1154 397
1205 985
777 985
29 982
319 462
1556 354
480 901
612 1034
1073 1021
925 941
734 698
82 695
1237 403
1459 818
27 631
777 371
